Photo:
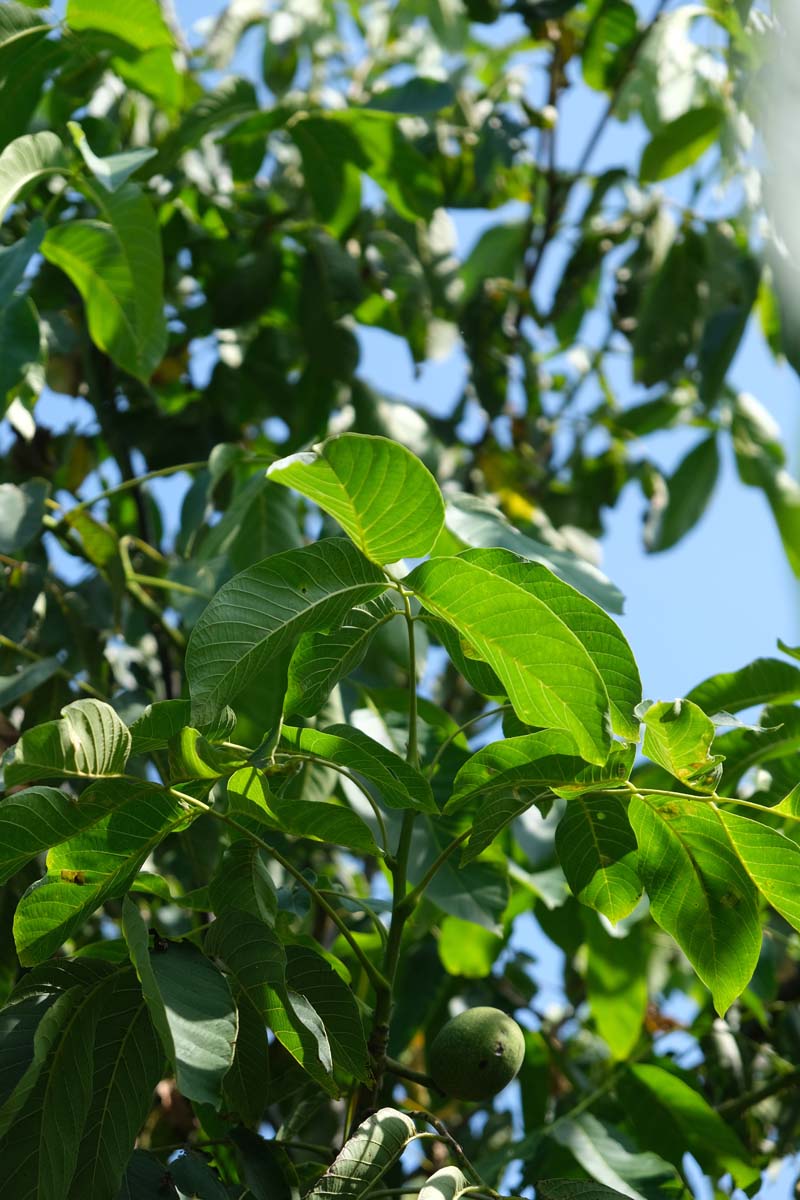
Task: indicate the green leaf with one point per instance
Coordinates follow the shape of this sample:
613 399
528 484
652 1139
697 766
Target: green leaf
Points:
549 677
616 985
192 1176
373 142
448 1183
680 143
20 345
247 1085
366 1157
598 852
309 975
257 962
14 259
760 463
262 612
699 892
398 784
89 741
605 1157
466 949
115 169
93 1090
764 681
243 882
770 859
508 777
575 1189
140 23
116 264
677 736
690 488
26 679
249 791
477 893
144 1175
190 1006
162 721
497 253
321 660
600 636
21 512
383 497
97 864
671 1118
608 46
476 522
26 160
668 315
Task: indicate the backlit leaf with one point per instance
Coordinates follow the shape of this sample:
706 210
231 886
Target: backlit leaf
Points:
383 497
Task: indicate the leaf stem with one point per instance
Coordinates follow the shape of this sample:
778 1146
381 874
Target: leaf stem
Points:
451 737
134 482
740 1104
416 892
403 1072
375 977
8 644
326 762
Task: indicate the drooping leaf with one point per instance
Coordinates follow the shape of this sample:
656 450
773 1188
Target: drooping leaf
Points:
548 674
115 169
366 1157
14 259
690 488
380 493
94 1088
764 681
616 984
257 962
26 679
89 741
96 864
309 975
262 612
607 1159
27 159
677 736
321 660
191 1008
477 522
671 1118
243 882
699 892
20 345
398 784
598 853
680 143
602 639
116 264
21 512
770 859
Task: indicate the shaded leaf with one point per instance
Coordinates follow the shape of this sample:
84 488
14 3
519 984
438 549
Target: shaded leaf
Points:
191 1008
26 160
690 488
262 612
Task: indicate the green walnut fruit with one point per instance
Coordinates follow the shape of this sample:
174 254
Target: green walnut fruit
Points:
476 1054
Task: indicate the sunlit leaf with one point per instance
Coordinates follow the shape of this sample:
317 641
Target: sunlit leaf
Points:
699 892
89 741
366 1157
677 736
26 160
380 493
598 853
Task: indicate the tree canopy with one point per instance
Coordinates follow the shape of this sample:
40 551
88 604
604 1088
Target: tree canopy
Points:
294 768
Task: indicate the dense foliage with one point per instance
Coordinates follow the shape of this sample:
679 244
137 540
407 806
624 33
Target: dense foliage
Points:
287 772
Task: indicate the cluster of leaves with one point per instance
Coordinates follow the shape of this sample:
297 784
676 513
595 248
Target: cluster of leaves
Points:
244 809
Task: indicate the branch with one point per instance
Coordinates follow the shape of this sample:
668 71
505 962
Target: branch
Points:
740 1104
608 112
